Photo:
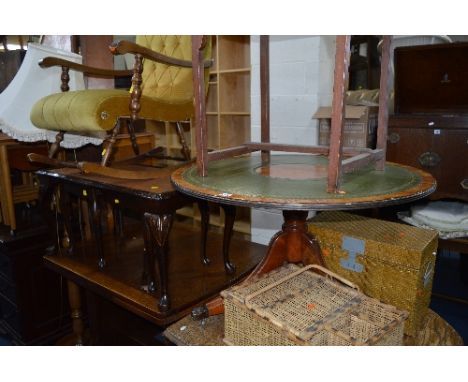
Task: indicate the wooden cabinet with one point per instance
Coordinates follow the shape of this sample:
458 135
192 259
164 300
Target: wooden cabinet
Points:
434 143
33 307
431 79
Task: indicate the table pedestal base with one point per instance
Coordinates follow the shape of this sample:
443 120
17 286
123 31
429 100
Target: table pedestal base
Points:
293 244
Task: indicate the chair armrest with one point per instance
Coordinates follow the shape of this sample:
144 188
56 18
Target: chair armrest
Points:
123 47
48 62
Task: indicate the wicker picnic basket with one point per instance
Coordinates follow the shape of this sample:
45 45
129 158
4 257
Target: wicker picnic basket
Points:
389 261
293 305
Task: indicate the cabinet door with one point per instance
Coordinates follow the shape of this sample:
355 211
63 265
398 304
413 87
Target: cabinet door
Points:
441 152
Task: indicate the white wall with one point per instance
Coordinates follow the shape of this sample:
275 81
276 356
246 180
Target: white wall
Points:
301 80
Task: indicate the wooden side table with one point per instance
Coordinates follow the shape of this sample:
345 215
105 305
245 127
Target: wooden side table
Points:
13 155
154 202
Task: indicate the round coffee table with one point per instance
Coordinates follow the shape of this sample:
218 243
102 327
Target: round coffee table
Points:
296 184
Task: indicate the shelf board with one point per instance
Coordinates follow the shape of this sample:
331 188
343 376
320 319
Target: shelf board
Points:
242 226
246 113
237 70
191 282
227 113
215 220
186 211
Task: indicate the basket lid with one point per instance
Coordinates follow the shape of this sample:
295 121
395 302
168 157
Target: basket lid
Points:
295 299
398 234
398 243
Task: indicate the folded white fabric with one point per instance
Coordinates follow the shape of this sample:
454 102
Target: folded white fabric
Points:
447 217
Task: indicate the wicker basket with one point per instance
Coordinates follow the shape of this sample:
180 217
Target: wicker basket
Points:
393 262
293 306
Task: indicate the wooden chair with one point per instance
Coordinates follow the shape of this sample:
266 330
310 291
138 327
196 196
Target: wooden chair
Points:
341 160
161 91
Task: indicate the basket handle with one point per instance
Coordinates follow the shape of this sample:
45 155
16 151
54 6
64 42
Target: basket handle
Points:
335 276
329 274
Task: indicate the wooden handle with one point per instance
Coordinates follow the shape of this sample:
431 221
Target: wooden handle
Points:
48 62
123 47
39 158
464 184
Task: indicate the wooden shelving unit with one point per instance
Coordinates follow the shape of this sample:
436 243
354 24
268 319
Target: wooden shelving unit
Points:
228 107
228 115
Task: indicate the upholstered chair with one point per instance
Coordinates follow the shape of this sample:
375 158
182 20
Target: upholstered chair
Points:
161 90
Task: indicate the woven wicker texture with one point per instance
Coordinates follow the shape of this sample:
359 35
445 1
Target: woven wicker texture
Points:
294 306
186 332
398 260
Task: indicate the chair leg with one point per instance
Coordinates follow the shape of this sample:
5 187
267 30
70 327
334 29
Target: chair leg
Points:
184 150
131 131
56 145
108 150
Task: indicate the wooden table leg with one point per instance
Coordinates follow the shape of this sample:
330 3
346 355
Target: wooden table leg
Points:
148 276
95 212
229 218
74 299
293 244
159 226
205 223
66 210
117 220
46 194
7 190
3 187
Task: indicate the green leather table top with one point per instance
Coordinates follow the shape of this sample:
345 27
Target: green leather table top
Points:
298 182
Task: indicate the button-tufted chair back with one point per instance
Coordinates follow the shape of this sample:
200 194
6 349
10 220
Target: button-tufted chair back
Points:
169 83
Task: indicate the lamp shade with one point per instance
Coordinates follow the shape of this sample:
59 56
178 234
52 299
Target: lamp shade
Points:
30 84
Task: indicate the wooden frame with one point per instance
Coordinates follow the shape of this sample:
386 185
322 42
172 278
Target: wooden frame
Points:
355 158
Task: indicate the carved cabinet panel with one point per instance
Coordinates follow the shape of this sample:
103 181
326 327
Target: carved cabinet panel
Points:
438 145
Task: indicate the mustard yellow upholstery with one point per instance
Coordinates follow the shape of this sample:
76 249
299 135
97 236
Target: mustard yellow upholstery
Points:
167 94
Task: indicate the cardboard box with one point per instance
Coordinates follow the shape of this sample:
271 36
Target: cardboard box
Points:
360 128
389 261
